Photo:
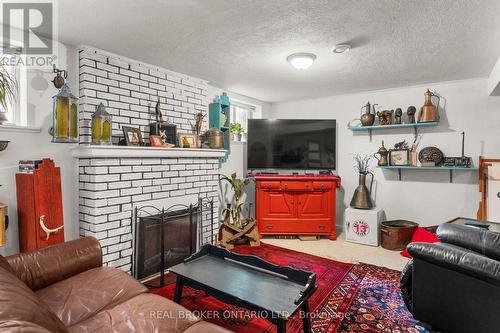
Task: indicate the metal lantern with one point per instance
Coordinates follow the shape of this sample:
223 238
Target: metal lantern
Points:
65 116
101 126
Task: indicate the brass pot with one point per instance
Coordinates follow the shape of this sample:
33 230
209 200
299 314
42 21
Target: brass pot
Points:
362 195
215 138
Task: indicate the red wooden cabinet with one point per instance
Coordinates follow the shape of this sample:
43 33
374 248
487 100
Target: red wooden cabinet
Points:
296 204
39 207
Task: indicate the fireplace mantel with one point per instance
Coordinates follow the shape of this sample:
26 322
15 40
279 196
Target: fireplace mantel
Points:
87 151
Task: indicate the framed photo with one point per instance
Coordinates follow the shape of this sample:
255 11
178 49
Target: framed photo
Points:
133 136
187 140
156 141
399 157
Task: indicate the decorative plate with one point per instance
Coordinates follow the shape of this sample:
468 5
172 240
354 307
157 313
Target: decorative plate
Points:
431 154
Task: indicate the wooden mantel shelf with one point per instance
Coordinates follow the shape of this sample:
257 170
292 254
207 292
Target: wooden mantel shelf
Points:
87 151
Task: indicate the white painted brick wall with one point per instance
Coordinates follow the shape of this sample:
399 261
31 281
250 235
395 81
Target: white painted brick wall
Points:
130 90
108 187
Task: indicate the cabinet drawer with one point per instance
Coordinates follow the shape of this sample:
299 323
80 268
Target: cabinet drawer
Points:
322 186
296 186
269 185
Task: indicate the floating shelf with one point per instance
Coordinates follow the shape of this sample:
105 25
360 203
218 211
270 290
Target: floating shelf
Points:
439 168
393 126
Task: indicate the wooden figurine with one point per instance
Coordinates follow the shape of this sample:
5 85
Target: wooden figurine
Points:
411 114
397 115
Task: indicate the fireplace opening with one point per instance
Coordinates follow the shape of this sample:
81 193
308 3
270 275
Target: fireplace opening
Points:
177 230
181 229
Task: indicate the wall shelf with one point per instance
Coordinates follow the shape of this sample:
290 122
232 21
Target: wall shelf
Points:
428 168
415 126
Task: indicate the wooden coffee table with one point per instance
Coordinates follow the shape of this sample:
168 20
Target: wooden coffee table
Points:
273 292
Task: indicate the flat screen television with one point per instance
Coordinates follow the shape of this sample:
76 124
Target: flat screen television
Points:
291 144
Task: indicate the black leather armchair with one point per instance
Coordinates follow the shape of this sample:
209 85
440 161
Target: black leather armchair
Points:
454 286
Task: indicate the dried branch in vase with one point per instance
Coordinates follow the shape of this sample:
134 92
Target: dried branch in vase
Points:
362 163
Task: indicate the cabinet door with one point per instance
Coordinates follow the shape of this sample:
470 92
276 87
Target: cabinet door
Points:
276 205
48 204
313 205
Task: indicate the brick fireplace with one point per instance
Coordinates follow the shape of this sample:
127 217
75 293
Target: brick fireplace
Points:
113 180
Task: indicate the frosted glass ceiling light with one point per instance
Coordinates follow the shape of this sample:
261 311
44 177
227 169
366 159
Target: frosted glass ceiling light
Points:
301 60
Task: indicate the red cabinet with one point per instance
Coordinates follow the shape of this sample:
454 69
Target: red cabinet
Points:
296 204
39 207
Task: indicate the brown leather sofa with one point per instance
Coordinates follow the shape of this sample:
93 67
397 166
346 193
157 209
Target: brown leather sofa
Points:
65 288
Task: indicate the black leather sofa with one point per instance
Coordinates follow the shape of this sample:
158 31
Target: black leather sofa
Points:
454 286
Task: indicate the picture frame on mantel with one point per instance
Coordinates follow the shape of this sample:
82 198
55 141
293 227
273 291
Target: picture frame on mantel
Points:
133 136
399 157
190 139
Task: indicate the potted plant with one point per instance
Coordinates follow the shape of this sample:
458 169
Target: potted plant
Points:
233 212
8 89
236 131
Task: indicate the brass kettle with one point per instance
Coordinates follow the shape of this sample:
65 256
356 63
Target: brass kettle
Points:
367 116
383 152
428 112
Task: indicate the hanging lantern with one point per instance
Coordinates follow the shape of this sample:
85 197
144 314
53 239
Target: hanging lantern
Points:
65 116
101 126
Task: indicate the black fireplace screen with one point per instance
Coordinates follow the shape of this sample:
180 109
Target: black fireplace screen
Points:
181 229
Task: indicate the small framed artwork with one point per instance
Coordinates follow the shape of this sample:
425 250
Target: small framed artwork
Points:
133 136
156 141
399 157
187 140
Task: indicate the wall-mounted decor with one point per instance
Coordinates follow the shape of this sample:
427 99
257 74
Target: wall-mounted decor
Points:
133 136
430 156
428 112
65 116
60 78
219 118
187 140
101 126
399 157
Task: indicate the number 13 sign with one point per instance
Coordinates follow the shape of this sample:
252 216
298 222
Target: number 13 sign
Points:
360 228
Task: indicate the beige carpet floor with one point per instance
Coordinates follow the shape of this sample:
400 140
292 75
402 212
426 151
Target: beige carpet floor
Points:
344 251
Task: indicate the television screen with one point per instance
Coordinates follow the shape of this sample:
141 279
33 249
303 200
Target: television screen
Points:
291 144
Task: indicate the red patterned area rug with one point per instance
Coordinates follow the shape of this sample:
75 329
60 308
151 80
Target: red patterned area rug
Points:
350 298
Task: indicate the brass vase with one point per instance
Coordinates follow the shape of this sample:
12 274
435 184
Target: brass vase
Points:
362 195
428 112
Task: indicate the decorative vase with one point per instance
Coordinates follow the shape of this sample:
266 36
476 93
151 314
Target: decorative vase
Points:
362 195
236 137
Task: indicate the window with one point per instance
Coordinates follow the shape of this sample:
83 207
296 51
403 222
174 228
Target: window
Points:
240 113
16 112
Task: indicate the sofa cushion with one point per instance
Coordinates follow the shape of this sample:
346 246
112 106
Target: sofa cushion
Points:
143 313
83 295
19 326
19 303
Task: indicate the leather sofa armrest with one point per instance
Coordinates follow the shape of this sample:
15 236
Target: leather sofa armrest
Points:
43 267
458 259
406 285
472 238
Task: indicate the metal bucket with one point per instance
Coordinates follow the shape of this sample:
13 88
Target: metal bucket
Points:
396 234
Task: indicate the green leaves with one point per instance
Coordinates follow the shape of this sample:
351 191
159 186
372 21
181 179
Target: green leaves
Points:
8 87
236 128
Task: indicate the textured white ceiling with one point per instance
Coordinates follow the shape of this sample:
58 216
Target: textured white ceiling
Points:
241 45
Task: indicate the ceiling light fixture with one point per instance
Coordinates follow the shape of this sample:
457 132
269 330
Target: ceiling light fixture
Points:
341 48
301 60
